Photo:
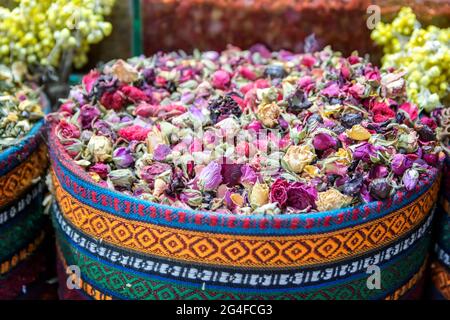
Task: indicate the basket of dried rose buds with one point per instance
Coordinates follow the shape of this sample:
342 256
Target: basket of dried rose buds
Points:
245 174
23 162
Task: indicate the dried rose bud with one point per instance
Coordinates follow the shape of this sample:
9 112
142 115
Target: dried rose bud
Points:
122 157
400 163
121 178
426 133
221 79
410 179
408 141
100 148
248 177
124 72
161 152
353 186
192 197
269 114
323 141
101 169
380 189
349 120
259 195
210 177
332 199
297 157
159 187
358 133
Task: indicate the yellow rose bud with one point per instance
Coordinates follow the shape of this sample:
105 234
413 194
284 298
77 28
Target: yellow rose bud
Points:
311 171
358 133
297 157
100 148
269 114
12 117
259 195
344 155
95 176
332 199
237 199
160 186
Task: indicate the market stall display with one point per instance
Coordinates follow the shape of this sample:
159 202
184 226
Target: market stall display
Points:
23 162
173 171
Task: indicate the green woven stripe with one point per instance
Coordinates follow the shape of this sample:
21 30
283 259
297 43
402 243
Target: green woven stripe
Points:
131 286
19 234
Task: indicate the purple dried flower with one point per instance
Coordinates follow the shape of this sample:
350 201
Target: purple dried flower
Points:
210 177
301 197
400 163
88 114
379 189
102 128
122 157
161 152
364 152
192 197
410 179
149 173
248 177
379 171
331 91
323 141
231 174
353 186
101 169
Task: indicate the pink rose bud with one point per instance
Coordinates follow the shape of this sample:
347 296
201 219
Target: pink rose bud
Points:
221 79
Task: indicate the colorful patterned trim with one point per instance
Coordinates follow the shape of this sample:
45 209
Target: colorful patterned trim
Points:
441 279
11 263
236 250
80 186
116 283
32 197
15 182
442 255
230 276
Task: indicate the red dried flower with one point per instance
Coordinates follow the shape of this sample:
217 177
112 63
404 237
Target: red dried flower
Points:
113 100
90 79
382 112
134 94
278 192
135 132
